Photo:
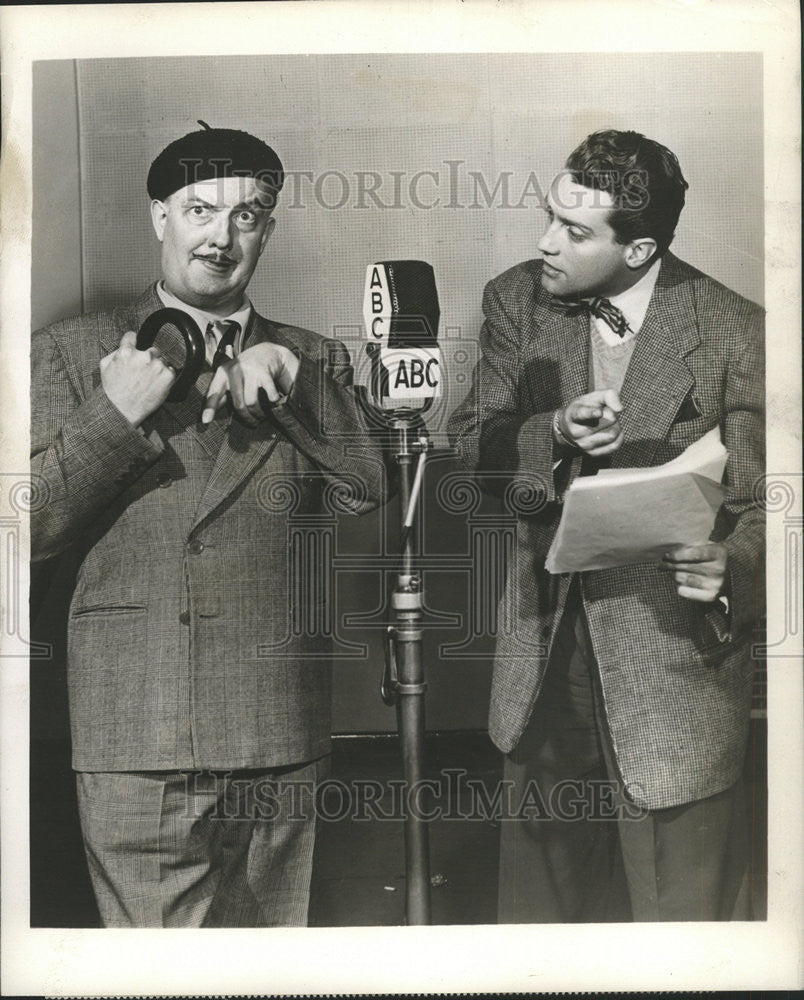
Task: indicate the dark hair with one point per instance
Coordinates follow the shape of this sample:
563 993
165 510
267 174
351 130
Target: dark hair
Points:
643 178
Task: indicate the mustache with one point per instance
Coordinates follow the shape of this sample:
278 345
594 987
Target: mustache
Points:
215 258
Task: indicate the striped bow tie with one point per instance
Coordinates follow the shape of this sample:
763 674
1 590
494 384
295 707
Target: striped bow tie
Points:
597 306
220 336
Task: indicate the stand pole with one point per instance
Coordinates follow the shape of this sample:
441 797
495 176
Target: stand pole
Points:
403 680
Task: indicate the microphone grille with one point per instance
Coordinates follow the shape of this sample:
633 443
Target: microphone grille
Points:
412 287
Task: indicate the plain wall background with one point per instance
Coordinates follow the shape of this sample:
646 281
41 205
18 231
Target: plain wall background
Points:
104 121
98 124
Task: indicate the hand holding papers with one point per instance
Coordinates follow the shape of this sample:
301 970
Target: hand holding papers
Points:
623 516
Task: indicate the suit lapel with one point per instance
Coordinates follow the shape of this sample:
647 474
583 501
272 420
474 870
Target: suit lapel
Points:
563 342
186 413
127 318
657 378
243 448
237 449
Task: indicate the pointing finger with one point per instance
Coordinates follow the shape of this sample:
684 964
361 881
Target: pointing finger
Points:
216 393
585 413
254 397
270 389
238 394
609 416
606 436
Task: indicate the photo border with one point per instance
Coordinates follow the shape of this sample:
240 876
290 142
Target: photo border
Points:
443 959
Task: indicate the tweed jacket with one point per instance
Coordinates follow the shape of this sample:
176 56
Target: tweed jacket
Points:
194 635
676 674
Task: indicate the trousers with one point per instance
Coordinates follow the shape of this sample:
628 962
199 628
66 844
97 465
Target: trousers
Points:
200 848
587 853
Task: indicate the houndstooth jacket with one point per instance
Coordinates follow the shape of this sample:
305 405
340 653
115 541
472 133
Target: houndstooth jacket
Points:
197 633
676 674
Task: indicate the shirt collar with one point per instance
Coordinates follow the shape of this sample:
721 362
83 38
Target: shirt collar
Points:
203 319
634 301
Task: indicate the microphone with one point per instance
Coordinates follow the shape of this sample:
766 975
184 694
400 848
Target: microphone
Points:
401 315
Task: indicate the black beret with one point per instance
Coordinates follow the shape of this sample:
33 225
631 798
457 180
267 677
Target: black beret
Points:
212 153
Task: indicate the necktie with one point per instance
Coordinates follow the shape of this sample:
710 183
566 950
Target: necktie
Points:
220 337
597 306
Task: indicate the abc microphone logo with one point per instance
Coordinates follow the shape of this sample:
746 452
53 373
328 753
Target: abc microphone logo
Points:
377 306
401 314
411 373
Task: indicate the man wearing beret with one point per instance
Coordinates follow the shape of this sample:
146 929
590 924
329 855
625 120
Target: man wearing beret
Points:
199 681
621 696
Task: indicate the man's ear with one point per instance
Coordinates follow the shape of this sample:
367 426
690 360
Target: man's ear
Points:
639 252
266 233
158 218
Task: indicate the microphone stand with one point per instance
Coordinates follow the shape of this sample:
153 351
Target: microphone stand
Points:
413 324
403 678
405 436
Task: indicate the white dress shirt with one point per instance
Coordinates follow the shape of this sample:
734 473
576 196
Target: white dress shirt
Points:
633 304
203 319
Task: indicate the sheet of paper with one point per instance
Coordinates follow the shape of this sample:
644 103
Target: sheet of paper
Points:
623 516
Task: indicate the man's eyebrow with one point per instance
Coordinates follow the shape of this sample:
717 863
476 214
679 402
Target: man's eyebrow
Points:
568 222
254 202
196 198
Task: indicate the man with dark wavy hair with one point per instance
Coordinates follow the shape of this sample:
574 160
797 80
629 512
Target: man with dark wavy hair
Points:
643 179
622 696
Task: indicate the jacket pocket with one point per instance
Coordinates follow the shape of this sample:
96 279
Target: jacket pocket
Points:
107 609
111 694
715 639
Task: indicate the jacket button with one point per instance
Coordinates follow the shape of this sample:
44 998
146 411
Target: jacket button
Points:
164 479
196 547
184 618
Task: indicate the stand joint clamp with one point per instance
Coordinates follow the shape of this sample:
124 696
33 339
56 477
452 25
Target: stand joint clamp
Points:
391 687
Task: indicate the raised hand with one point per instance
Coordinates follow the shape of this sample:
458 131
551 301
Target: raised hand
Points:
260 376
591 423
136 382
